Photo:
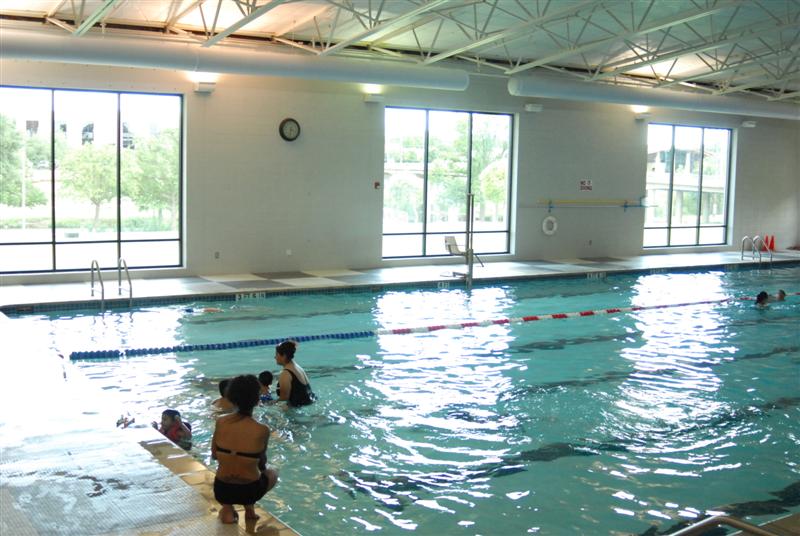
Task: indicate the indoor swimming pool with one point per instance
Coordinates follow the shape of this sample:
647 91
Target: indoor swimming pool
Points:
608 424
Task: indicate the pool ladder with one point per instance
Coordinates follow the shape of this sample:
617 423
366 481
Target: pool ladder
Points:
120 265
754 248
701 527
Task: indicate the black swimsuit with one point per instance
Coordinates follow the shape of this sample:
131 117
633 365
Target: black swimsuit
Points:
261 456
301 393
245 494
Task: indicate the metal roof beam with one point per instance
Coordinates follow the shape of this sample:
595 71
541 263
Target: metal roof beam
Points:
90 21
174 20
61 24
681 18
387 26
244 21
694 49
760 82
518 30
55 9
439 14
785 96
765 58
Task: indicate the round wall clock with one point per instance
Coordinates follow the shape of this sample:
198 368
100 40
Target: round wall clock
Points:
289 129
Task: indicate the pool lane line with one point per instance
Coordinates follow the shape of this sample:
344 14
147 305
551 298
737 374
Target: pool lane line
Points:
131 352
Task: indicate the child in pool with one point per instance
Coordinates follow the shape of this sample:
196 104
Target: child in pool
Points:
222 404
265 380
175 429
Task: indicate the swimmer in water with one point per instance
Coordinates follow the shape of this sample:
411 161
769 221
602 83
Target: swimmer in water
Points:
265 380
177 431
222 404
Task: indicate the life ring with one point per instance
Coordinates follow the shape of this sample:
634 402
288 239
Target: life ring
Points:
549 225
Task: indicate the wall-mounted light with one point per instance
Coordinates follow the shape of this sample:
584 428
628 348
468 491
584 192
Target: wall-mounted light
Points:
642 116
748 124
534 107
372 88
204 87
373 98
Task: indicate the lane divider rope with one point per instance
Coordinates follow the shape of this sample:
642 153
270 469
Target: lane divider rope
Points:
132 352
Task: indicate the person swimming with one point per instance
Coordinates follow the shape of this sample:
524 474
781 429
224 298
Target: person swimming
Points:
763 298
223 404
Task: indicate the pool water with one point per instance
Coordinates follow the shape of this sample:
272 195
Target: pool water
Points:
598 425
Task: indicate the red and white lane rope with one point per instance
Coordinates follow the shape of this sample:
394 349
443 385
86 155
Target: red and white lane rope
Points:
551 316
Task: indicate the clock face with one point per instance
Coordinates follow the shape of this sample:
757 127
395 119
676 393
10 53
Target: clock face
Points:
289 129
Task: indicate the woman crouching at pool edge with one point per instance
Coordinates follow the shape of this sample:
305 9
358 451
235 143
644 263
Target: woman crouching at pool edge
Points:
239 445
293 384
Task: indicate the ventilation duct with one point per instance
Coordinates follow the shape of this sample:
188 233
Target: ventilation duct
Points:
138 52
563 88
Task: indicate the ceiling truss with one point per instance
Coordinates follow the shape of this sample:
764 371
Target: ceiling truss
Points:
718 47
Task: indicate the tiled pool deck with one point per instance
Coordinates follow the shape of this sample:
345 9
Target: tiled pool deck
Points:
24 298
66 469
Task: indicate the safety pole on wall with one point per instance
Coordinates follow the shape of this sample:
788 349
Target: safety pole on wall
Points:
470 253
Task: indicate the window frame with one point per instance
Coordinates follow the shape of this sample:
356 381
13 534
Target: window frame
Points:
725 226
54 242
425 234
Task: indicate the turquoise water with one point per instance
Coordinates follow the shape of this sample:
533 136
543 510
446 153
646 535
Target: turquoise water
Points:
595 425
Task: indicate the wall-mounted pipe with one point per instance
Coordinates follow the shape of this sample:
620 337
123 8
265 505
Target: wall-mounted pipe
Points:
564 88
133 52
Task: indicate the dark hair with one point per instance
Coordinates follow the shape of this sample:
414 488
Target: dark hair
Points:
243 392
287 349
265 377
171 413
223 386
762 297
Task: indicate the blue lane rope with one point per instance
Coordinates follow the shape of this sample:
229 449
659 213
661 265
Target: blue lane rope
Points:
131 352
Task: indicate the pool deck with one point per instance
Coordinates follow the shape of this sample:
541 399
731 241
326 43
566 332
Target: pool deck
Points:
65 468
207 286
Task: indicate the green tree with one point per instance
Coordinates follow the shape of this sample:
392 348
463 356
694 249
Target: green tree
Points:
89 173
403 194
447 171
491 189
37 149
151 174
13 169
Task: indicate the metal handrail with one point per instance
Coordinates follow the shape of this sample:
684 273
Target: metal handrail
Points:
120 265
96 266
702 526
744 241
756 240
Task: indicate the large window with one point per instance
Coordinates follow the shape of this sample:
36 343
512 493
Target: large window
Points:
432 161
687 186
89 175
